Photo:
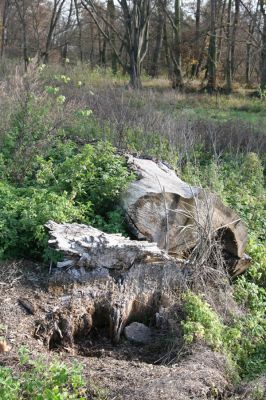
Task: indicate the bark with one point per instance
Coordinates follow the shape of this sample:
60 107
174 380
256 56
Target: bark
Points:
135 18
4 33
251 29
22 13
162 208
234 31
121 279
167 51
176 51
212 53
66 35
112 280
263 51
79 30
195 71
111 16
158 41
56 13
221 16
229 60
136 24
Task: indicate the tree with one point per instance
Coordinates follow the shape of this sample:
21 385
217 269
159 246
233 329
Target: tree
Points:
22 8
54 19
135 17
196 65
160 19
212 52
263 51
229 49
77 10
5 10
66 32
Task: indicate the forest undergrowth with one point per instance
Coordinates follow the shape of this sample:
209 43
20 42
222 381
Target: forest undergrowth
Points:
62 143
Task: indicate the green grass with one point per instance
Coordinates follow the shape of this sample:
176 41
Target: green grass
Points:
223 108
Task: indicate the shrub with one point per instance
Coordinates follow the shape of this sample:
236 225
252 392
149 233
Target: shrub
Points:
243 341
37 380
23 213
68 185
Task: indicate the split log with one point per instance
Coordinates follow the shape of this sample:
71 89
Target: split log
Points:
121 279
161 208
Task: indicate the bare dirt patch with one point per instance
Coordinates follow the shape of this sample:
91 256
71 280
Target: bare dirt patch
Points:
127 371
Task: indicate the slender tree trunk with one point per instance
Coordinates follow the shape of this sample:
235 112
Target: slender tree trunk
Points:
263 51
212 53
111 17
195 68
22 12
66 35
167 51
136 17
158 42
235 25
248 53
176 56
135 71
251 29
228 72
79 31
222 5
56 13
4 27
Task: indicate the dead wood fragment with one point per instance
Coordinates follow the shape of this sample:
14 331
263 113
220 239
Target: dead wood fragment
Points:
27 305
161 208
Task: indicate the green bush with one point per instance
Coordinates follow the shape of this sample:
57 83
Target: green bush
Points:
39 381
201 322
244 341
68 185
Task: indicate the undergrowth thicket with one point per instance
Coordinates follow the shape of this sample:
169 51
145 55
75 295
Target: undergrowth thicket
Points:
38 380
240 182
49 170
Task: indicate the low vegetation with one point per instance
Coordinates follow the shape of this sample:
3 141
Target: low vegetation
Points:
34 379
61 157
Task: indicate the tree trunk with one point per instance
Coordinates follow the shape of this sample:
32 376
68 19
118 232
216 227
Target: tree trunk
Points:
162 208
212 53
22 13
66 34
263 51
111 17
235 25
79 31
158 42
221 14
56 13
228 72
195 69
4 27
176 55
134 71
248 66
167 51
123 279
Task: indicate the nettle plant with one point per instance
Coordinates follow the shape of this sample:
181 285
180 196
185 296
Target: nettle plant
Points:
243 341
38 380
46 176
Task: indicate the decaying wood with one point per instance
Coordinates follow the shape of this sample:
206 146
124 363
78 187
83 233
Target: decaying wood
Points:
117 278
27 305
112 280
161 208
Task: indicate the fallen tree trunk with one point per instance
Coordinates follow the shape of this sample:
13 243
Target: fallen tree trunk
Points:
161 208
121 279
124 280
